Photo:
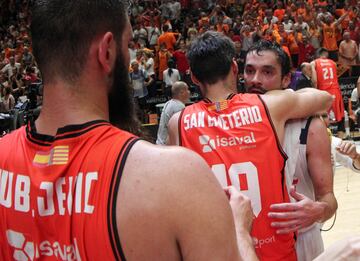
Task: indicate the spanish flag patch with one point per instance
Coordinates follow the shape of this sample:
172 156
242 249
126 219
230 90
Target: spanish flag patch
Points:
59 155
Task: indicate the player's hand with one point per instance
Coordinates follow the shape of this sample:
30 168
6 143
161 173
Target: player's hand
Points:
346 249
347 148
241 208
290 217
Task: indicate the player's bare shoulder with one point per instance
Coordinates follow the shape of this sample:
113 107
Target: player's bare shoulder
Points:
165 189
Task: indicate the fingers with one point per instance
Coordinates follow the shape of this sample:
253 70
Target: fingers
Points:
347 148
231 191
297 196
285 224
283 215
288 230
285 207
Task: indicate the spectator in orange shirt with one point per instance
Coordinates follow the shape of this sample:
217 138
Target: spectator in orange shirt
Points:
279 11
168 38
329 35
163 56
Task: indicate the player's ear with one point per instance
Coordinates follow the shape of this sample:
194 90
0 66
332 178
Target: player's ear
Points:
194 79
234 67
285 81
107 52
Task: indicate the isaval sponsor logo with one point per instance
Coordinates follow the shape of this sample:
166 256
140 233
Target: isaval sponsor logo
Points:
210 144
25 249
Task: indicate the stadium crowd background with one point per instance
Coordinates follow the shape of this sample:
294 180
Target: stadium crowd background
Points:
162 30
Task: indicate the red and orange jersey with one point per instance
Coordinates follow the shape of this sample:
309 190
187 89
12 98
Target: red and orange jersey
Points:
237 139
58 194
327 80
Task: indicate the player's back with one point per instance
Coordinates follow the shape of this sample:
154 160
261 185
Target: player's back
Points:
58 194
326 74
237 139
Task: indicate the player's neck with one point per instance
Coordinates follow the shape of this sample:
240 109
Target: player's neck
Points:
68 105
220 91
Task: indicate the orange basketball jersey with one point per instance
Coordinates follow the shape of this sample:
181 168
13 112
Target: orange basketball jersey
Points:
58 194
327 80
237 139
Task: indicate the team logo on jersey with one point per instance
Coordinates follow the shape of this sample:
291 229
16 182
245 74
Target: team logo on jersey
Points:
59 155
24 250
210 144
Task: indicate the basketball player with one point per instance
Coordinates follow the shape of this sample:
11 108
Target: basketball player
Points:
240 135
73 186
324 77
307 145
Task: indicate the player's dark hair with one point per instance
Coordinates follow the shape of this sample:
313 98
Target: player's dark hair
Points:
62 31
281 55
210 57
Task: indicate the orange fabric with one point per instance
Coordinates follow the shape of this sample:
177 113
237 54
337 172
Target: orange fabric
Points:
301 11
168 39
293 46
163 60
8 52
308 16
279 13
234 137
286 49
329 37
327 80
64 196
222 28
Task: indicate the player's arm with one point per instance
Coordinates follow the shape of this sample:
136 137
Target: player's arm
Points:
318 151
313 74
177 209
289 217
287 104
173 130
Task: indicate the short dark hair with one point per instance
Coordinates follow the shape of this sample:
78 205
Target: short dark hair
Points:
321 51
62 32
210 57
282 57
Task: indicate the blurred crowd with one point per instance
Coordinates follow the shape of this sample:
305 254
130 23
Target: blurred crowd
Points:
162 31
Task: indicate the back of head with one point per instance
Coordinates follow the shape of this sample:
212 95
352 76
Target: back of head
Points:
177 88
321 53
306 68
62 32
282 57
210 57
165 28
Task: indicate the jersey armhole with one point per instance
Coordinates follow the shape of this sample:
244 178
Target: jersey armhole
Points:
112 199
180 126
304 132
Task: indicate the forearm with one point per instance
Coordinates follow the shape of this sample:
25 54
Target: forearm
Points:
246 246
327 206
318 101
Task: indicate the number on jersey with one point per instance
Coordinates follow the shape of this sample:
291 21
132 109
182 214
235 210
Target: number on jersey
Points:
328 73
243 176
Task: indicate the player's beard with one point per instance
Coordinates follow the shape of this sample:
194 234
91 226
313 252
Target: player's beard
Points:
255 89
121 103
